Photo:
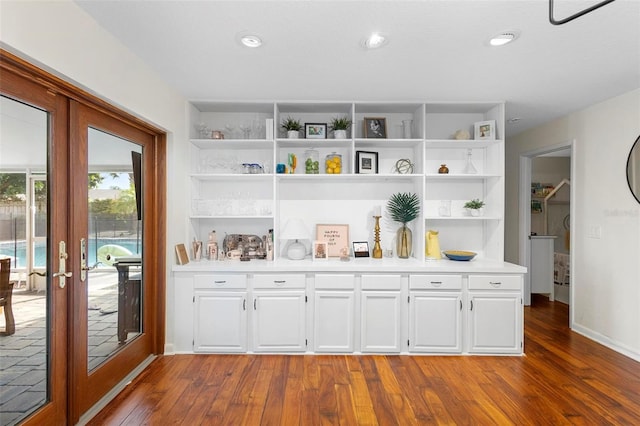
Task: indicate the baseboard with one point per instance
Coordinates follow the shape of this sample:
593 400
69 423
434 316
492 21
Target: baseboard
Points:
169 349
605 341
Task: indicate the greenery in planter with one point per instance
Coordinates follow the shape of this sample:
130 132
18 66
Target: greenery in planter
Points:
474 204
403 207
340 123
291 124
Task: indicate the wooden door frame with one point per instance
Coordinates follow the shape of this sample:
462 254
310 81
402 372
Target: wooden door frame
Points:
59 93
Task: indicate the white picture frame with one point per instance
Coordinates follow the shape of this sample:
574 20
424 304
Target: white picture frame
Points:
485 130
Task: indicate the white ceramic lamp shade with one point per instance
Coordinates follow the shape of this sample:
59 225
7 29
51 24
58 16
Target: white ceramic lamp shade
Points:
295 229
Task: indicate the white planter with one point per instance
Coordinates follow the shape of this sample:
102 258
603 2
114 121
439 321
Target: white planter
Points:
340 134
476 212
293 134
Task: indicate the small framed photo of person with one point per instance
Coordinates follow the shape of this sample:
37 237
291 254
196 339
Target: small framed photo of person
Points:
375 127
320 250
485 130
315 130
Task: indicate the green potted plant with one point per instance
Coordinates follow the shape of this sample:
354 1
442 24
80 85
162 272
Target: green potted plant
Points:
340 125
292 127
403 207
474 207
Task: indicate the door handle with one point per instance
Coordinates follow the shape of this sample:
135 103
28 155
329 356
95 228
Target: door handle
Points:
62 273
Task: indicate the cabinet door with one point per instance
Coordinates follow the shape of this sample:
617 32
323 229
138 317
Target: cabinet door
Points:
220 323
279 321
495 322
333 321
380 321
435 322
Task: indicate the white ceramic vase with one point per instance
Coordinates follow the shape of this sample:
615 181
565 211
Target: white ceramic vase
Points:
340 134
293 134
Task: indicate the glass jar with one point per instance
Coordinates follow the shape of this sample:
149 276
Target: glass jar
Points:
311 162
333 164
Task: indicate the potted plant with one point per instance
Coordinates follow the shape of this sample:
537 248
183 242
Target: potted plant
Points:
474 207
340 125
292 127
403 207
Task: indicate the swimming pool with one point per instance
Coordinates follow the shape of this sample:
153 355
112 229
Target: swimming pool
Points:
19 250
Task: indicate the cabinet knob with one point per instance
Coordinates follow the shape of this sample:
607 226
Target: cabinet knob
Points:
279 282
436 283
495 283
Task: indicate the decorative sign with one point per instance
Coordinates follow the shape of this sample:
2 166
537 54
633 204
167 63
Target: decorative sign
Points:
336 237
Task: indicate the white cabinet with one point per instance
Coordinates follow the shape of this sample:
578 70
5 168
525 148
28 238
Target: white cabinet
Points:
220 313
495 314
435 313
334 313
381 314
279 313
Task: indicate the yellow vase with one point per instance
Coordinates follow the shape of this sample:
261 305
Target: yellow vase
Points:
433 245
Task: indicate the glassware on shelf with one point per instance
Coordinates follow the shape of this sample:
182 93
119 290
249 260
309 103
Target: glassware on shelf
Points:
406 128
333 164
469 169
311 162
246 130
230 129
204 132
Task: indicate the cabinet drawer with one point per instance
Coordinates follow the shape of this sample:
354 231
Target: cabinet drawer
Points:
220 281
381 282
334 282
449 282
279 281
495 282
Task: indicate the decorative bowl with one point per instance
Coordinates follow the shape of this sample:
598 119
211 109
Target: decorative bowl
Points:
459 254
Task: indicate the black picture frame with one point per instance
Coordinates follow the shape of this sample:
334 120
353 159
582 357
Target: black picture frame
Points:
366 162
360 249
315 130
375 127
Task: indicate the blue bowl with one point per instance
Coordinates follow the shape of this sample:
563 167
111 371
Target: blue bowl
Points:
459 254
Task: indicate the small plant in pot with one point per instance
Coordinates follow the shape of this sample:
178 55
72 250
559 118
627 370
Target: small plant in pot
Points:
404 207
474 207
292 127
340 125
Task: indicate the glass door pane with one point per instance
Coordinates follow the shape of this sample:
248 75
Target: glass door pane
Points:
113 248
24 236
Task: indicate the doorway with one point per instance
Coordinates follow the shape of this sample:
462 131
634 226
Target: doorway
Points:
80 356
545 209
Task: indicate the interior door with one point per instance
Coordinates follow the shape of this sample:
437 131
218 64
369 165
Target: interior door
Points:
34 143
111 309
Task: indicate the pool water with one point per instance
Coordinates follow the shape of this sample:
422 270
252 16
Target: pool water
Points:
19 250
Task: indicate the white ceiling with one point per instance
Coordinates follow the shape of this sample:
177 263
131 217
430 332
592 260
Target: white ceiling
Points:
437 50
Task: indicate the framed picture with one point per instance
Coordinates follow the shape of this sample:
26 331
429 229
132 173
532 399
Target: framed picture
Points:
366 162
336 237
320 250
360 249
375 127
485 130
315 130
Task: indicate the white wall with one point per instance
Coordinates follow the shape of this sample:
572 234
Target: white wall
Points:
606 270
61 38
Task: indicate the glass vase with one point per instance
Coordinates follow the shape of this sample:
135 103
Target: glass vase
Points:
404 242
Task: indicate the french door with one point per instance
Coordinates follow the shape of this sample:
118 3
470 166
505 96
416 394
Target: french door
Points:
103 285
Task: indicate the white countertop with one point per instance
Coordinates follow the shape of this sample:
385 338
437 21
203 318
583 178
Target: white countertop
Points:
361 265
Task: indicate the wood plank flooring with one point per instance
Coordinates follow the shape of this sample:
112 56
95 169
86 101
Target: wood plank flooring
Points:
564 378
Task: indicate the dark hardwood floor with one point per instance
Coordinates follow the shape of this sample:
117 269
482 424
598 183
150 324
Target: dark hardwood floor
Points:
564 378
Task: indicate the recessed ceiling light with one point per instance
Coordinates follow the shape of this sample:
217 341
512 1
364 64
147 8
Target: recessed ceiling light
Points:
503 38
375 41
251 40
